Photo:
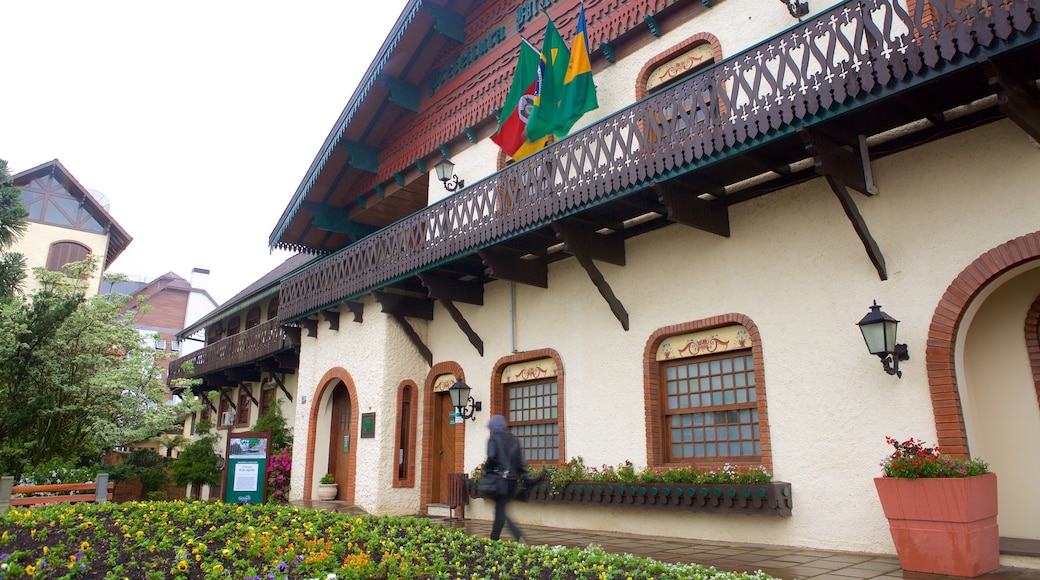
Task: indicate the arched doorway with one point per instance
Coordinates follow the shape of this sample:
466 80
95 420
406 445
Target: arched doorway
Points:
443 440
332 438
340 439
983 355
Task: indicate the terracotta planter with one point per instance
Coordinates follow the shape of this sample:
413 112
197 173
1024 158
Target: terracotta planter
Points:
767 499
327 491
943 525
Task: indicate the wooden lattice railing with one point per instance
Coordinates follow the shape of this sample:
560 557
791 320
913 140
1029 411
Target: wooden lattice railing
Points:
845 57
254 344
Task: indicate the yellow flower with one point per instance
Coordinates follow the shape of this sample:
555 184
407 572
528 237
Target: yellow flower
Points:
30 570
84 546
45 550
182 566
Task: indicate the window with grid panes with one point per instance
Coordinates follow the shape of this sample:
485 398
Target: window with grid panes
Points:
711 408
533 419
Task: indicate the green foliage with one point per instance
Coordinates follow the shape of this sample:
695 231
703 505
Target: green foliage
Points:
12 227
75 380
575 470
191 539
197 464
59 471
274 421
328 478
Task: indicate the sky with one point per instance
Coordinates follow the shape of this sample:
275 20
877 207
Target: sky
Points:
196 119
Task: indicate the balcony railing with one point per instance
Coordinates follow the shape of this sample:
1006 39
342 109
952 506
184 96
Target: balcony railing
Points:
247 347
846 57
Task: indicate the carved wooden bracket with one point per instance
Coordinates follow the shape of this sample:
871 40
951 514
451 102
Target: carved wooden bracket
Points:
586 246
332 317
1017 98
224 395
505 267
690 210
248 390
398 307
357 309
446 290
311 325
281 385
840 167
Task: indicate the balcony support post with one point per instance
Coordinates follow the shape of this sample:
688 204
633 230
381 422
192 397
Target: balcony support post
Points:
583 246
398 307
446 291
248 390
530 272
841 169
688 209
281 385
1018 99
332 317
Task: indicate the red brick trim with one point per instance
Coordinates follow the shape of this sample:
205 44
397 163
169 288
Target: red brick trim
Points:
942 334
1032 328
328 382
413 425
652 384
497 404
663 57
426 481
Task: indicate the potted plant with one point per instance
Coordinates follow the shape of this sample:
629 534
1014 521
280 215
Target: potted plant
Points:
941 510
327 488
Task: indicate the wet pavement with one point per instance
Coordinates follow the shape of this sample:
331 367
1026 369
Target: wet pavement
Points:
787 563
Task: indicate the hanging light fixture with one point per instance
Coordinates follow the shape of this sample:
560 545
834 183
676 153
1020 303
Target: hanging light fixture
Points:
879 332
446 173
464 404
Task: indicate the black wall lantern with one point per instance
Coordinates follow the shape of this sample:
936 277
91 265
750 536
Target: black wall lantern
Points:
879 332
797 9
464 404
446 173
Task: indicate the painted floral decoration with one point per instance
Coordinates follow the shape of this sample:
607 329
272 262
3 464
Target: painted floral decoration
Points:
912 459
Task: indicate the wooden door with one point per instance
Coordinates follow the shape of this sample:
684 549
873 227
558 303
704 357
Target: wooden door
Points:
341 440
443 461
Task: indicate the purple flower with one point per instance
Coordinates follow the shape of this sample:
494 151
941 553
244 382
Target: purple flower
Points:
282 566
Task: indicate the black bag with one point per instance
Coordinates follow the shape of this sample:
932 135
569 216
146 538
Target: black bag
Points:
492 485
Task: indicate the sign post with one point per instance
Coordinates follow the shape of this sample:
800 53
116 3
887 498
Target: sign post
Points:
247 457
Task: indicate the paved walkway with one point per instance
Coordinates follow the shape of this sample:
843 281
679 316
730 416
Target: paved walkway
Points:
780 562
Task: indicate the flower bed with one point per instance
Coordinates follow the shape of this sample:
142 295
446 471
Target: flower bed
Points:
186 540
728 489
772 498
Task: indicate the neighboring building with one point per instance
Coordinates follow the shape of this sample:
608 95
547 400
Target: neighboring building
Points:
173 303
679 280
66 224
248 362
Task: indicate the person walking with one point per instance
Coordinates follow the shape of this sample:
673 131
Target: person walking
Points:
505 456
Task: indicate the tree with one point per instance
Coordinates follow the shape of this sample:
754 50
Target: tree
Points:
12 227
75 379
197 464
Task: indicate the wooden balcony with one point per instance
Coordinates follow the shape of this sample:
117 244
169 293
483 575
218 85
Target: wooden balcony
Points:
265 347
865 79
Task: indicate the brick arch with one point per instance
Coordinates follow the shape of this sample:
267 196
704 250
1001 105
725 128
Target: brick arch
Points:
1032 328
497 405
652 383
329 381
426 483
670 53
942 335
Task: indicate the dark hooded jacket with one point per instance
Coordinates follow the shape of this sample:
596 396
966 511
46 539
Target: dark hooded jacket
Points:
504 453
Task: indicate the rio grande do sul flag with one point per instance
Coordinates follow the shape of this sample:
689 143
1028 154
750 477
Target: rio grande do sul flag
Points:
511 136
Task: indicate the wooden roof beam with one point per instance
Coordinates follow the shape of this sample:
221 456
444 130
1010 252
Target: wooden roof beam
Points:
1017 98
586 246
839 167
686 208
398 306
506 267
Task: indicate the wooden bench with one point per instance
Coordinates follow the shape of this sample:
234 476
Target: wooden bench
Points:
57 493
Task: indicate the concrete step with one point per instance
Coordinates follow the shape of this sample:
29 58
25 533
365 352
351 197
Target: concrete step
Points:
440 510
